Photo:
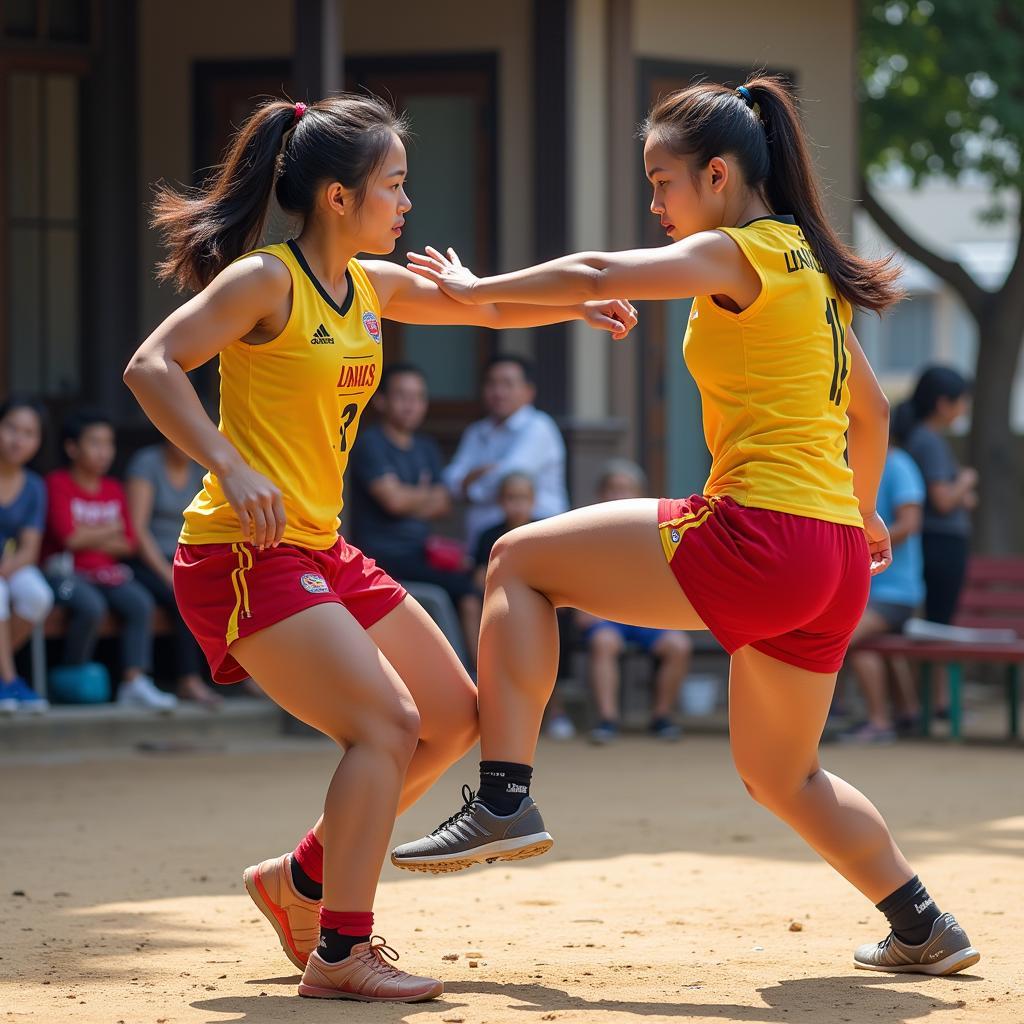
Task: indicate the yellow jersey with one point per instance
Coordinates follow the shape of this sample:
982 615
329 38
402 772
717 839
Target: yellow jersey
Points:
292 406
773 381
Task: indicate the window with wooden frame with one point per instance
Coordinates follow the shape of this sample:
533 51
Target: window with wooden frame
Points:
46 53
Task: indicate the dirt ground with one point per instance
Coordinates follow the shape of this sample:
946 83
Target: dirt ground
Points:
669 896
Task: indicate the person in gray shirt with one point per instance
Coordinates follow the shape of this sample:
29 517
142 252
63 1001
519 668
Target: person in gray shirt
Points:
161 482
941 397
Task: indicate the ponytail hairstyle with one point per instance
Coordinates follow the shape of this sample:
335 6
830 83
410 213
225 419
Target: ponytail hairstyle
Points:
290 149
759 124
935 383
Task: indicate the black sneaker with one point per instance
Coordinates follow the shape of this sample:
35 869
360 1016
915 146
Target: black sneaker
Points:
475 835
946 951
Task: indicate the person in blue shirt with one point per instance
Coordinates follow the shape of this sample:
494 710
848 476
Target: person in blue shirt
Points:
896 595
25 596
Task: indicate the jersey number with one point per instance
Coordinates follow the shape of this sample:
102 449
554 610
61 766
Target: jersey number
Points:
348 414
839 372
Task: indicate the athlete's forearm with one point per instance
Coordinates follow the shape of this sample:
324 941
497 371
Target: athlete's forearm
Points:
521 314
562 282
170 401
867 442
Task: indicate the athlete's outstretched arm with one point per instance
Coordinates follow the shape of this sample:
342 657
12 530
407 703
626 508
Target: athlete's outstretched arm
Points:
234 304
867 442
410 298
709 263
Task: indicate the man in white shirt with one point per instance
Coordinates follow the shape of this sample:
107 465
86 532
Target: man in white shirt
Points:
515 437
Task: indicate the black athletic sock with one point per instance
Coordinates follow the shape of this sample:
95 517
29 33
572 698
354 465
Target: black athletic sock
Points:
911 912
503 785
305 885
334 946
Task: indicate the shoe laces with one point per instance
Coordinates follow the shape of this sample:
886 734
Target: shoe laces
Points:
468 796
375 954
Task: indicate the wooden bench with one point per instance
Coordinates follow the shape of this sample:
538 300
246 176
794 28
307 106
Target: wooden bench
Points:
55 626
993 598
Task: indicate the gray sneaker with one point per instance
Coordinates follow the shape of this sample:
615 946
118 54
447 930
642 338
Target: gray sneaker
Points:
946 951
475 836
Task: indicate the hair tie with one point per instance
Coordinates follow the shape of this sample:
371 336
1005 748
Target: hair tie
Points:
279 163
744 93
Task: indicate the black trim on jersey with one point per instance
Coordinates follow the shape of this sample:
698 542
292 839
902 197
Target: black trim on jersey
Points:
349 298
782 218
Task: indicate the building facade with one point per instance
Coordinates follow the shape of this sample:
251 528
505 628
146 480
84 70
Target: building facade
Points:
524 114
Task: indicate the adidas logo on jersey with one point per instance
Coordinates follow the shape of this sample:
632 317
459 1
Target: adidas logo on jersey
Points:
321 337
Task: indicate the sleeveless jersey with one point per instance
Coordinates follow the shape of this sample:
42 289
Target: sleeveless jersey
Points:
292 406
773 382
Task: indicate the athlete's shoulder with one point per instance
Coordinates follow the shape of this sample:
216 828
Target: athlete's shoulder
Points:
718 250
258 277
379 272
262 267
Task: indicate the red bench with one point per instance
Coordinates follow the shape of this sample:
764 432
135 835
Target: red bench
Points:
993 598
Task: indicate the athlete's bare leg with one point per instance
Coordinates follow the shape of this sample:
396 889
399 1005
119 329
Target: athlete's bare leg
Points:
444 694
470 608
607 560
320 666
776 715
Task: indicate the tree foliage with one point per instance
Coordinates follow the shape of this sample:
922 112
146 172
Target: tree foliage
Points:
942 88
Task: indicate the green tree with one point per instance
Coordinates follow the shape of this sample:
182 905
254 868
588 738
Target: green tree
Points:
942 90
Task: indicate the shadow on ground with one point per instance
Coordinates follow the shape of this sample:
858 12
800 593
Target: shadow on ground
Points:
837 1000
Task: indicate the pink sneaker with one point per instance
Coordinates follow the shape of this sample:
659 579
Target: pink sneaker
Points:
366 976
295 917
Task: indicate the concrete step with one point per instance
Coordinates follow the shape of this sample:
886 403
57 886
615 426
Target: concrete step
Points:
107 726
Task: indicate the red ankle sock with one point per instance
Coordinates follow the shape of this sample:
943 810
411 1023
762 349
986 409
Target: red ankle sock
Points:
340 931
309 855
346 922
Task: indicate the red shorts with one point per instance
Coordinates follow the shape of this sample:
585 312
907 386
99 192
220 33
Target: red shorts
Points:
789 586
227 591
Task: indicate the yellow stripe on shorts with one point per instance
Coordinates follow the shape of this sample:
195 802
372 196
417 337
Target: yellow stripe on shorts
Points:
672 531
241 589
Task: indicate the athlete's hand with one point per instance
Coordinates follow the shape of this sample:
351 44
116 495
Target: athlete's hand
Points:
879 544
615 315
257 503
447 272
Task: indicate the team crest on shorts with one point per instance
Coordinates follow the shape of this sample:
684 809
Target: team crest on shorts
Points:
314 583
675 536
372 326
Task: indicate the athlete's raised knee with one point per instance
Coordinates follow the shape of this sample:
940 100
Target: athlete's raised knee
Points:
771 788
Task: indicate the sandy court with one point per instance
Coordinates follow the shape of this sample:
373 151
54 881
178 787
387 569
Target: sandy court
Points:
669 895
